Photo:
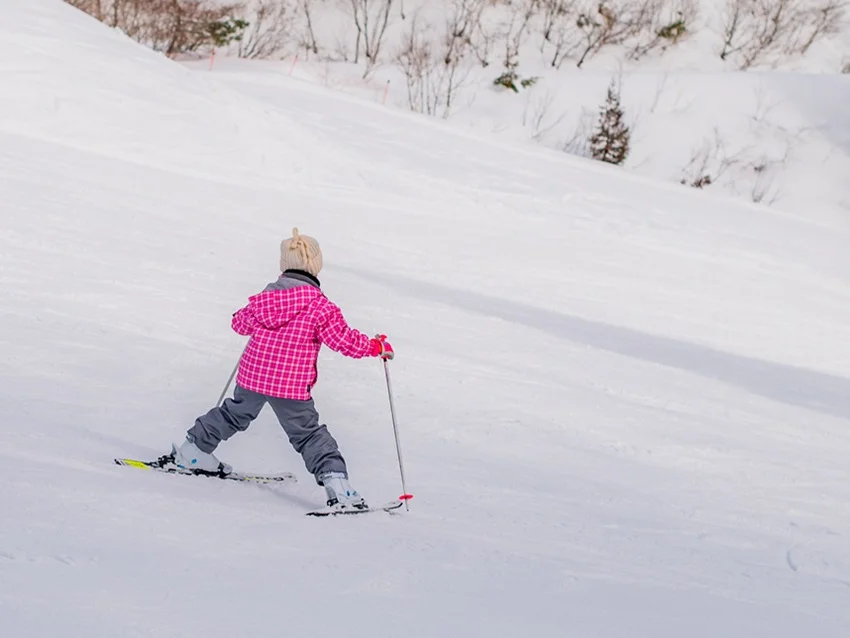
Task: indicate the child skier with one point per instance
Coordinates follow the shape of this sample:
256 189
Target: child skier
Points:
287 323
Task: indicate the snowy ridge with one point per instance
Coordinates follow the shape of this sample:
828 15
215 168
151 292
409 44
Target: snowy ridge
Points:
623 404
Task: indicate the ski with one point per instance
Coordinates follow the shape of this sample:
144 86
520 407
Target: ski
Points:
336 510
166 464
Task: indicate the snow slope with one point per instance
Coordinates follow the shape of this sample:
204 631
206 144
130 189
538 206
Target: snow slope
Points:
139 107
624 406
776 134
775 138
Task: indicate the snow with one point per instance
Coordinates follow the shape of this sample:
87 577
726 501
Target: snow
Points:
776 134
165 117
773 138
623 404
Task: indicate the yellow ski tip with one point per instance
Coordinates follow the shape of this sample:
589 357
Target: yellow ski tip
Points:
132 463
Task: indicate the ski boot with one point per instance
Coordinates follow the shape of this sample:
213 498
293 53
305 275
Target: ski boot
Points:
340 493
189 457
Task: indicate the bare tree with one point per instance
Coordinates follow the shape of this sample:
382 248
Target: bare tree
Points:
271 28
453 76
371 18
764 188
767 171
516 30
584 27
309 41
373 37
659 91
753 28
560 18
415 59
536 117
480 32
553 13
340 50
461 29
579 142
461 24
757 29
580 29
734 15
708 163
614 22
764 105
643 23
660 24
434 69
750 171
822 20
358 22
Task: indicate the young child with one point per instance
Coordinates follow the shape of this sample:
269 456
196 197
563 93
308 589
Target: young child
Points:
287 323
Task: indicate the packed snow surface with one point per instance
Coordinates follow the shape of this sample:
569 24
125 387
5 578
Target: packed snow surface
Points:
623 406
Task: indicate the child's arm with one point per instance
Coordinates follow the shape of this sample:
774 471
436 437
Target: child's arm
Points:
336 334
263 311
244 322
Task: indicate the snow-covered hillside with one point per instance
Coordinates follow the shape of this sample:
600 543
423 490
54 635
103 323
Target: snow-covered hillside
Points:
776 134
624 405
780 139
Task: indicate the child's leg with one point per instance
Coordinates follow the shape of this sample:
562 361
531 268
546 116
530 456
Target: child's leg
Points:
311 440
234 415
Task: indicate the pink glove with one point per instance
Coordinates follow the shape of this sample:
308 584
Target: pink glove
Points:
381 348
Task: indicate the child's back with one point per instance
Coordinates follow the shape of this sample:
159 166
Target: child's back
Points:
288 323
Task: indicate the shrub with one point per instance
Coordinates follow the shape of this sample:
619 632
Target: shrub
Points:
224 32
510 80
610 142
673 31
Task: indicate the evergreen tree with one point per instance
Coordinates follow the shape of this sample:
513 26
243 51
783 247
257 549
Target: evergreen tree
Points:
610 142
223 32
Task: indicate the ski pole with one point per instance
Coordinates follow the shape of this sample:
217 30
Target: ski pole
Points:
405 496
230 380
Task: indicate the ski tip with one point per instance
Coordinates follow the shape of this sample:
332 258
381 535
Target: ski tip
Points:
132 463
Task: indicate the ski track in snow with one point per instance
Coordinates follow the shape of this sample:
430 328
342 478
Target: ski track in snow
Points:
623 406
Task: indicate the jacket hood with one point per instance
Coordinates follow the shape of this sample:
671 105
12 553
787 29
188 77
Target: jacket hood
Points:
282 301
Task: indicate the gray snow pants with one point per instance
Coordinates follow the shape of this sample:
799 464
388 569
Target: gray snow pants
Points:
299 420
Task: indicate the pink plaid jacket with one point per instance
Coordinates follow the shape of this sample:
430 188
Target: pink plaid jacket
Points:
288 323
